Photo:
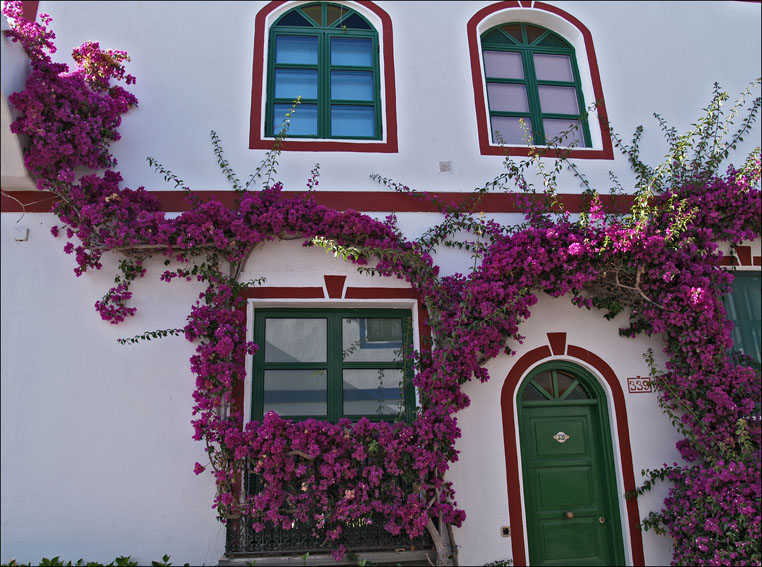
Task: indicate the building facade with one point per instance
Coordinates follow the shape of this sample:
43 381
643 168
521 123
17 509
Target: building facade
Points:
97 452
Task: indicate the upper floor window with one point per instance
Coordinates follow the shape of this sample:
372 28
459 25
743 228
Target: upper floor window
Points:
532 77
536 82
326 55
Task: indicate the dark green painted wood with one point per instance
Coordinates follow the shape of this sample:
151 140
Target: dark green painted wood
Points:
573 476
744 307
324 33
334 364
496 39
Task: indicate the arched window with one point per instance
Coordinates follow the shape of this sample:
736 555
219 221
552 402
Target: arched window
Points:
326 55
536 63
533 87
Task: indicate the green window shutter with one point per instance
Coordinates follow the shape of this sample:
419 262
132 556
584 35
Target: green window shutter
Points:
533 87
333 363
744 308
326 55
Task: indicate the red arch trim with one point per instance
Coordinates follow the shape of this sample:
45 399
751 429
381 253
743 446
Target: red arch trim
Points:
511 449
258 142
478 84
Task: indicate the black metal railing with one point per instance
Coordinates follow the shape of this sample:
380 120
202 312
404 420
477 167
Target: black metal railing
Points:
365 534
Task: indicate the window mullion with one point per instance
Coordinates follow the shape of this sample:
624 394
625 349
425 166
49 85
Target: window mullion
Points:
335 368
581 100
376 86
324 84
533 95
270 108
258 384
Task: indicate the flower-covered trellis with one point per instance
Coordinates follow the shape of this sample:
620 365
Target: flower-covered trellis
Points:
660 262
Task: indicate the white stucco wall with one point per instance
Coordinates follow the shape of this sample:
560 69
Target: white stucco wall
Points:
97 454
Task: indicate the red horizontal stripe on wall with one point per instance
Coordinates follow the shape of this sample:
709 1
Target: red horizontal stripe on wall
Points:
367 201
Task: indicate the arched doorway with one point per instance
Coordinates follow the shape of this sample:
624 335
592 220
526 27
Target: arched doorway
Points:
570 497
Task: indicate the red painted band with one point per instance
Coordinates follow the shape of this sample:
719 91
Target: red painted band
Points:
744 255
512 451
557 343
368 201
334 285
29 9
284 293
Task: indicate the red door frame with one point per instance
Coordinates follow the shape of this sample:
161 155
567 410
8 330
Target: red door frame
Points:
558 347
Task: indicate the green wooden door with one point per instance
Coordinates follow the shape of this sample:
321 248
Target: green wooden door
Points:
569 488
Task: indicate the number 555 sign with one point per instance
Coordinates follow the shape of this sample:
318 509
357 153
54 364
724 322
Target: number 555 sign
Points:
638 385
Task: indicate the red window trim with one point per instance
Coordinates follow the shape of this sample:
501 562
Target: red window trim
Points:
478 83
259 142
337 289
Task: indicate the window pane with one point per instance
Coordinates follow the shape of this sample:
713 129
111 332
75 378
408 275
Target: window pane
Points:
351 51
299 49
532 394
744 308
558 100
296 392
514 30
371 339
355 22
555 127
294 18
563 381
303 120
353 121
533 33
503 65
375 391
295 340
553 67
314 12
507 98
334 13
352 85
293 83
509 130
545 381
495 37
553 40
578 393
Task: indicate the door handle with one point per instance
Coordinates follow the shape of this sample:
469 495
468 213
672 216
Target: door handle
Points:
569 515
601 520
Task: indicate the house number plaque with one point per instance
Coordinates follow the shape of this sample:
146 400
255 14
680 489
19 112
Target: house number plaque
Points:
561 437
639 385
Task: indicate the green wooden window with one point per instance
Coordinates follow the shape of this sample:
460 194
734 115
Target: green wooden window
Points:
532 76
744 307
327 54
333 363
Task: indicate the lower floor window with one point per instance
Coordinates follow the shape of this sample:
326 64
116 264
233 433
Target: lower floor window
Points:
333 363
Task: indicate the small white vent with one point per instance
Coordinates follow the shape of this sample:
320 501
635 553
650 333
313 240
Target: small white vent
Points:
21 234
445 167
